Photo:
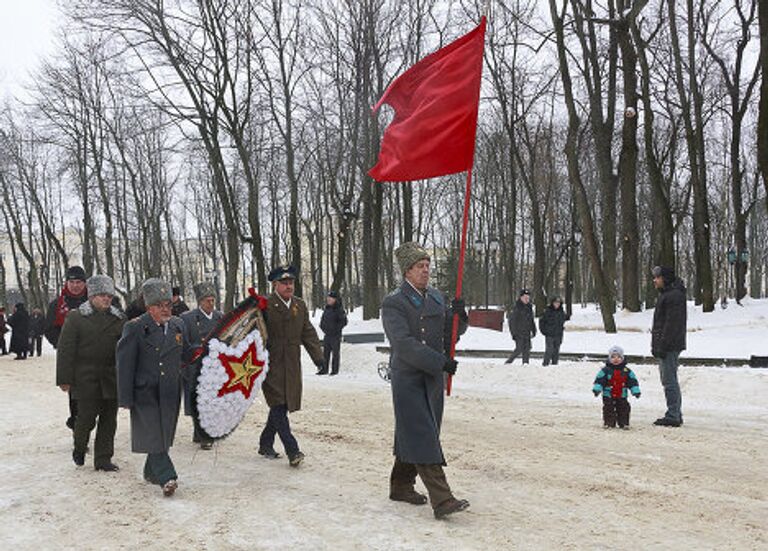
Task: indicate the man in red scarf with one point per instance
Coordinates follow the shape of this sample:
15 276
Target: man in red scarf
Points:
72 296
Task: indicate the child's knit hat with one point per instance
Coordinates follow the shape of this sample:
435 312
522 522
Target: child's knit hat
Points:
616 349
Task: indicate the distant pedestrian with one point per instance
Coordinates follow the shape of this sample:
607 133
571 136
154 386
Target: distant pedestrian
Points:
19 321
522 327
615 381
668 339
135 308
71 297
149 382
3 331
85 367
36 331
333 321
551 325
198 323
179 306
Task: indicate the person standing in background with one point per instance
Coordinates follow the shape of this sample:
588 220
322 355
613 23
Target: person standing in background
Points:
3 331
36 331
333 321
522 327
19 321
72 296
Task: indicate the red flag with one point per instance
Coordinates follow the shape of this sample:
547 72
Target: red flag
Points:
435 103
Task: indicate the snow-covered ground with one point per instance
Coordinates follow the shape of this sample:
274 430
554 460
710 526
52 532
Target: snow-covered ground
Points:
736 332
524 445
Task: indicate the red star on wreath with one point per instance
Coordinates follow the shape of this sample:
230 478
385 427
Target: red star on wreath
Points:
242 371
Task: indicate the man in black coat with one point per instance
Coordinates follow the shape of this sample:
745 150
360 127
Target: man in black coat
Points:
668 339
36 332
179 306
552 324
522 327
19 321
72 296
333 321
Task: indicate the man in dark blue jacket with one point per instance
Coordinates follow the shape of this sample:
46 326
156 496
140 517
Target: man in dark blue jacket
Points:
668 339
333 321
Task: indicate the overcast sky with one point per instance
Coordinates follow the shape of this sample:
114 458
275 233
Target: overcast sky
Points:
26 34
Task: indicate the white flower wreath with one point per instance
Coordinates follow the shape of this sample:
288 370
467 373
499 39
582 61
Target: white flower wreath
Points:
220 415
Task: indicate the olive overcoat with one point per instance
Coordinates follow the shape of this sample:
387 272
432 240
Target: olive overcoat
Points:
149 381
288 329
85 357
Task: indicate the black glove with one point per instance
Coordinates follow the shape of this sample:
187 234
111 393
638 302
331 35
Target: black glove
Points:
658 353
459 308
637 395
450 366
596 393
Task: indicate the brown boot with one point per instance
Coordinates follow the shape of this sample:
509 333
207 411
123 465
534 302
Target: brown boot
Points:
408 496
450 506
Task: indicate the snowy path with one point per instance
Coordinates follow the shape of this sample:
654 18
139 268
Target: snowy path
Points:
525 446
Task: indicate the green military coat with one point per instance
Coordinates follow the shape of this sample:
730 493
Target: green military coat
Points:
85 358
288 329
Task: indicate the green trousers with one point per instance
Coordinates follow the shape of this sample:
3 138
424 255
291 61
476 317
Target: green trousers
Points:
88 413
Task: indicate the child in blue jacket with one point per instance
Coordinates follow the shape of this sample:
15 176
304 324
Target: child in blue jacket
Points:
613 381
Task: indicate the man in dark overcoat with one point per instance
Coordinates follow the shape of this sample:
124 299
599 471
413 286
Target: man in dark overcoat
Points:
522 327
72 295
333 320
418 322
198 323
149 381
85 367
19 321
668 339
288 328
552 326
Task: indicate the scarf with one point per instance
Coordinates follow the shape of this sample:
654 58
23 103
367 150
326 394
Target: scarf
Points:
62 308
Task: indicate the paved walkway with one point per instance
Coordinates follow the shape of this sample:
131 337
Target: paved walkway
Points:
754 361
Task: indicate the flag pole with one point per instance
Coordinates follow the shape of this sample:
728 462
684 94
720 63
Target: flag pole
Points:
460 276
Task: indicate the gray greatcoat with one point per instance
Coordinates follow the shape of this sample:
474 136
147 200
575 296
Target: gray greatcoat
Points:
418 329
197 326
149 381
287 330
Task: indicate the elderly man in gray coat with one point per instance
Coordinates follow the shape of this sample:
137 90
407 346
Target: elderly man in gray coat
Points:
149 381
418 325
198 324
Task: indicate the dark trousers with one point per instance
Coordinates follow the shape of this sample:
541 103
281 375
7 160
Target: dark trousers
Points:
616 410
403 478
332 347
72 412
552 350
36 344
3 346
88 413
522 348
159 469
198 435
277 423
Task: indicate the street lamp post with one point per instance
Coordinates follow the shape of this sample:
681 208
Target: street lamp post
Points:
574 242
492 247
